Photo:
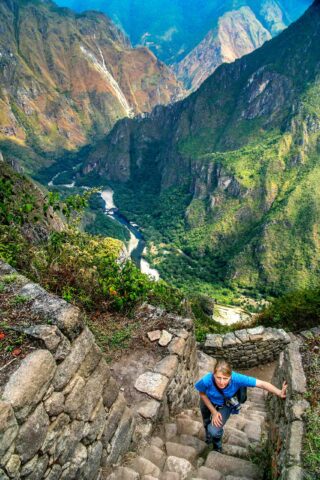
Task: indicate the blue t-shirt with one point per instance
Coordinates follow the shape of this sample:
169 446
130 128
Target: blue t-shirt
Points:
206 385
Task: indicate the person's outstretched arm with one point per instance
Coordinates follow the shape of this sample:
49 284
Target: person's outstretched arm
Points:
272 389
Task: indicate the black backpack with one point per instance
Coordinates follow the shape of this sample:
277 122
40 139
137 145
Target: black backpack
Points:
241 394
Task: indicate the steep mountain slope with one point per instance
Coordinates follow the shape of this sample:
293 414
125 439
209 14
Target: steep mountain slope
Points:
65 77
172 28
238 32
229 175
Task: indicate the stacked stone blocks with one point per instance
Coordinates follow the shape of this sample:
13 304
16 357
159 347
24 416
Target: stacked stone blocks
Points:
62 414
287 418
168 386
248 347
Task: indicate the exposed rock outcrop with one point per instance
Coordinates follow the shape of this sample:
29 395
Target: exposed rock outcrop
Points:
238 33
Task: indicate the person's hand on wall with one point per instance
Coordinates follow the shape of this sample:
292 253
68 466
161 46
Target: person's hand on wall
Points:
283 393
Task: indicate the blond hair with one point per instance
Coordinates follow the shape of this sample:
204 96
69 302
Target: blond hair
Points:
224 367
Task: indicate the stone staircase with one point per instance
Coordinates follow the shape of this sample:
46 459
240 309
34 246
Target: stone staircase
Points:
178 450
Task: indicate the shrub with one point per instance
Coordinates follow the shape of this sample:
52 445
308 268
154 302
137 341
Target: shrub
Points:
298 310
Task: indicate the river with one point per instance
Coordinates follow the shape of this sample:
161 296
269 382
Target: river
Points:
136 245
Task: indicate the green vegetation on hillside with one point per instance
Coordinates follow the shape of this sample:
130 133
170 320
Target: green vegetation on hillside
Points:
83 269
96 222
297 310
225 183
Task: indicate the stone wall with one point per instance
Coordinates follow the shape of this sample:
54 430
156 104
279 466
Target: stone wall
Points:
62 415
168 385
286 417
248 347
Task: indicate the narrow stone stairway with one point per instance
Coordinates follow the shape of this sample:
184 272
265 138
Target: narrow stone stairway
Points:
178 451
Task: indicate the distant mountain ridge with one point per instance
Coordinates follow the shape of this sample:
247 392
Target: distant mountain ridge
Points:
66 77
229 175
173 28
238 33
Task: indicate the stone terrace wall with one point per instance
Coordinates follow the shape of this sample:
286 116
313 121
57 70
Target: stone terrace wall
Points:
168 386
61 413
247 348
286 418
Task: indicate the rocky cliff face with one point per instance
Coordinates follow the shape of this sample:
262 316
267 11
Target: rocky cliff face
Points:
245 26
65 77
244 149
238 33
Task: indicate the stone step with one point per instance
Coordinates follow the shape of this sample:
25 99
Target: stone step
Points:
191 441
237 422
259 392
170 430
253 431
209 474
236 437
260 402
232 477
124 473
254 406
157 442
257 411
189 412
170 476
155 455
181 451
178 465
235 451
256 418
189 415
189 427
229 465
144 467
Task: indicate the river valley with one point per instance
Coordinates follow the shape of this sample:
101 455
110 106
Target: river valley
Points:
136 246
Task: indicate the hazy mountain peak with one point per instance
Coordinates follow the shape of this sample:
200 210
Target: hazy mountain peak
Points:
238 32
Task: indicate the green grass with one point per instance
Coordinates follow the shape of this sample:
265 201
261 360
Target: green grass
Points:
115 337
19 299
11 278
311 458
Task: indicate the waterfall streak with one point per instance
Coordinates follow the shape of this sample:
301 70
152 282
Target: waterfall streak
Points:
101 67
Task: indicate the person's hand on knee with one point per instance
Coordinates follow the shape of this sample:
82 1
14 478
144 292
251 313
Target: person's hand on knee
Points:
217 419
